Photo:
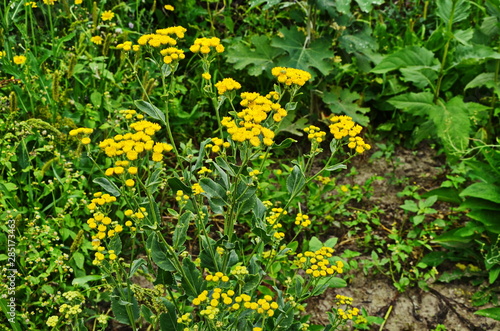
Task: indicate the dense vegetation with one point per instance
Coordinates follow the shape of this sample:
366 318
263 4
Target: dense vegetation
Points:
177 166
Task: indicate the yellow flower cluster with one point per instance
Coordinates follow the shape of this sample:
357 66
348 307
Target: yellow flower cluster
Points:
302 220
314 133
317 263
82 131
197 189
52 321
32 4
130 113
69 310
239 270
180 196
100 199
184 319
218 276
217 144
128 46
49 2
291 76
105 226
205 45
264 306
348 314
249 128
227 84
204 170
343 126
343 300
162 37
172 54
323 180
139 215
272 220
133 144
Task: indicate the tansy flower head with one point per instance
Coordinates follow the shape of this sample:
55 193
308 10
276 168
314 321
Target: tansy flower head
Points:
289 76
19 59
96 40
227 84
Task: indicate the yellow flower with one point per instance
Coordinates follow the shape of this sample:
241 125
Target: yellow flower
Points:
206 76
107 15
169 7
130 182
19 59
291 76
78 2
227 84
52 321
96 40
32 4
49 2
197 189
85 140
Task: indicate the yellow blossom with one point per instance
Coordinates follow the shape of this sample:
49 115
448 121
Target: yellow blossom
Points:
19 59
107 15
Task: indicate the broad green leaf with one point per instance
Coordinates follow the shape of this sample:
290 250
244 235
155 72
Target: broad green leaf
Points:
122 303
177 185
482 190
256 58
285 143
151 110
96 99
453 11
154 181
295 181
489 218
416 103
159 253
224 165
192 282
168 320
315 244
79 259
85 279
214 191
463 36
493 313
342 101
407 57
486 79
410 205
420 76
303 56
473 54
180 232
367 5
136 265
108 186
493 274
336 167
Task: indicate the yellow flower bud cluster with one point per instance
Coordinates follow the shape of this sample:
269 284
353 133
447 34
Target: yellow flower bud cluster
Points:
184 319
130 113
272 219
205 45
239 270
343 300
197 189
218 276
314 133
85 132
128 46
180 196
100 199
323 180
227 84
343 126
289 76
204 170
348 314
263 306
172 54
249 127
317 264
162 37
69 311
131 145
217 144
302 220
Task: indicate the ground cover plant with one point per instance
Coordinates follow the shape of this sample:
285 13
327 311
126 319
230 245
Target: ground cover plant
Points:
187 165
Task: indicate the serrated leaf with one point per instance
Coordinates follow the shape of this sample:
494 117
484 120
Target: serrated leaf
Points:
150 110
454 10
483 79
302 56
420 76
407 57
479 53
417 103
463 36
367 5
256 59
108 186
342 101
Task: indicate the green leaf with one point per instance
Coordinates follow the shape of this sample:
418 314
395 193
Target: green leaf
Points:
177 185
192 282
407 57
483 79
108 186
159 253
315 244
79 259
136 265
180 232
478 53
417 103
154 181
120 302
420 76
258 59
214 191
489 218
85 279
303 56
295 181
150 110
493 274
463 36
336 167
96 99
285 143
493 313
482 190
168 320
342 101
454 10
452 123
410 205
367 5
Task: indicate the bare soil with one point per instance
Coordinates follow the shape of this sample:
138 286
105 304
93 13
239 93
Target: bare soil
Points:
448 304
